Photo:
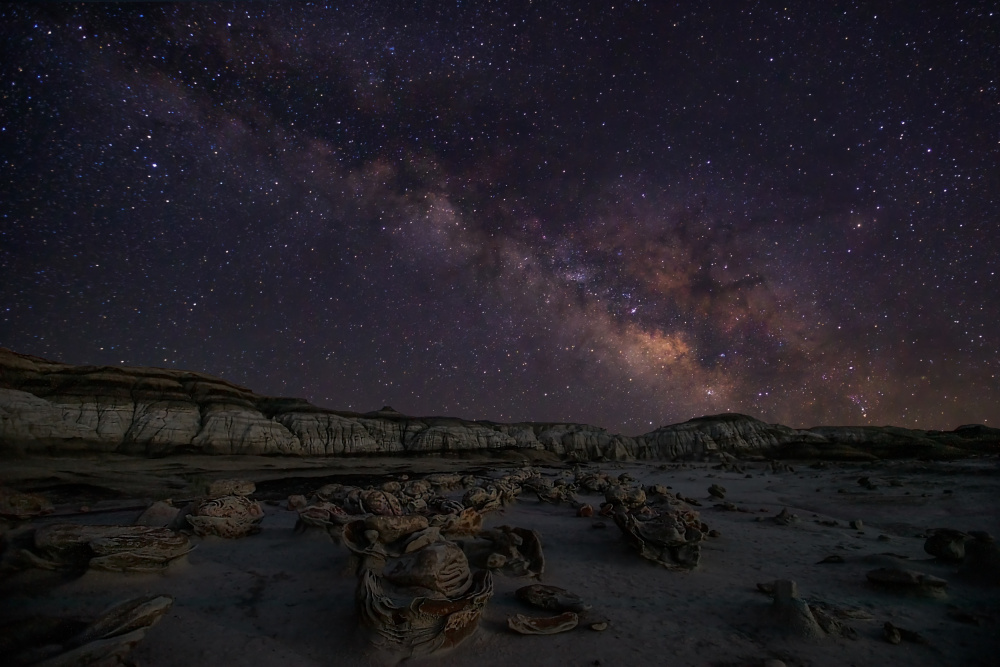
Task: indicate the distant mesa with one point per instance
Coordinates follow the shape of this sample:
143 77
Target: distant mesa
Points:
47 407
386 411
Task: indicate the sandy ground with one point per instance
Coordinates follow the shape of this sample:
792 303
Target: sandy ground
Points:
287 598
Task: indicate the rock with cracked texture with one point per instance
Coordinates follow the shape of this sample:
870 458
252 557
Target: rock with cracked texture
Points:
551 598
20 506
549 625
672 539
373 501
512 550
467 522
427 623
439 567
109 548
228 516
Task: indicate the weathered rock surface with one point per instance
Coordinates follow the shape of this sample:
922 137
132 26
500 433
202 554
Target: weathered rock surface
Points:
426 624
982 559
106 641
947 544
227 516
50 407
907 581
108 548
672 539
549 625
551 598
792 612
19 506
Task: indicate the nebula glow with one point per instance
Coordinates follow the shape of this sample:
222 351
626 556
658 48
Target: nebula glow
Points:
561 211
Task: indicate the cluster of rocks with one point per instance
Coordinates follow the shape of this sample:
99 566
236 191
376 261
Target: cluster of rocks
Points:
658 524
424 562
160 535
110 548
570 609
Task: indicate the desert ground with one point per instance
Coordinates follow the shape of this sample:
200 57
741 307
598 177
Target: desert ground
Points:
285 596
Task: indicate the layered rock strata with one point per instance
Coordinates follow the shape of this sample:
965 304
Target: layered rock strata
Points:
50 407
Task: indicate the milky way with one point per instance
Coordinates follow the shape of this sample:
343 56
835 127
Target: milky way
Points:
626 216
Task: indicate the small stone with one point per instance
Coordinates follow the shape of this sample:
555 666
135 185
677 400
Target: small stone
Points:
884 538
907 581
857 524
551 598
599 627
600 525
529 625
831 559
714 533
785 518
495 561
717 491
895 634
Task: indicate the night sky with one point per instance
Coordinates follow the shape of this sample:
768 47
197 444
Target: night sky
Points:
627 214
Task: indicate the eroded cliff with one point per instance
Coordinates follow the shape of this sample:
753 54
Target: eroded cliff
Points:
51 407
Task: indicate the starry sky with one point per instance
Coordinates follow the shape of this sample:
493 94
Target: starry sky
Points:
621 213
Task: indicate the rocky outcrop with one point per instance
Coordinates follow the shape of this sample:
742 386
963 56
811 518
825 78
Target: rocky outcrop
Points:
730 432
51 407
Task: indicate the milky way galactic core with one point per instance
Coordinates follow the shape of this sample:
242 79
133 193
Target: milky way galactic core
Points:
626 215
